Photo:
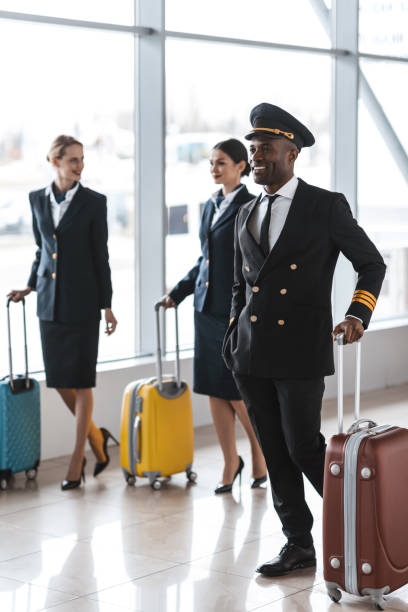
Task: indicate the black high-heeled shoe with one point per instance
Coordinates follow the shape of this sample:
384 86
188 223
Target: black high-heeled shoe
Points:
227 488
258 482
66 485
101 465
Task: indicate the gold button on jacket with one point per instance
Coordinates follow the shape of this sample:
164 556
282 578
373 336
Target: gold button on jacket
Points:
254 318
255 289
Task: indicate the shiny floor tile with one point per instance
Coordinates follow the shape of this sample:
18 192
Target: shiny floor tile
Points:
172 538
86 605
187 589
15 542
16 596
76 517
79 568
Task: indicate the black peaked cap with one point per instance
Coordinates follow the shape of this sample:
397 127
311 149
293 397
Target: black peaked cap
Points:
274 122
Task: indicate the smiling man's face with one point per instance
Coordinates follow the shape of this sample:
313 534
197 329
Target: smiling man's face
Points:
272 160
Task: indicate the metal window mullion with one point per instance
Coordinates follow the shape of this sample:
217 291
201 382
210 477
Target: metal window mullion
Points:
76 23
259 44
344 33
385 58
151 169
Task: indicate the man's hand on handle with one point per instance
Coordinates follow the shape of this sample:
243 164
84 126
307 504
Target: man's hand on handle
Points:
16 295
168 302
353 330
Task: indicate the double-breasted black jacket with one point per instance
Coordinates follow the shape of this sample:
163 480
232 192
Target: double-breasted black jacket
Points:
71 272
211 278
281 306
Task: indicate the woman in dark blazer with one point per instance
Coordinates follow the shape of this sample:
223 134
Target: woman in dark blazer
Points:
72 278
211 282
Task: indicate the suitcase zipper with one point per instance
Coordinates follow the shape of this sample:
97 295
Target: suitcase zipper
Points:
350 505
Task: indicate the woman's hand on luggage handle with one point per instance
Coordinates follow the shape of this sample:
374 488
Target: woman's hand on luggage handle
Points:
111 321
168 302
353 330
16 295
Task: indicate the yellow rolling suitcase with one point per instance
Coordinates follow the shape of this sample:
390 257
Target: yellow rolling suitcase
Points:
156 438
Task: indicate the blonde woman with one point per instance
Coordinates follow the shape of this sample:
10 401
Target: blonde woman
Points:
72 278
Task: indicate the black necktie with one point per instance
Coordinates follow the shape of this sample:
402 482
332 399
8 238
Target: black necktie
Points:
220 198
266 221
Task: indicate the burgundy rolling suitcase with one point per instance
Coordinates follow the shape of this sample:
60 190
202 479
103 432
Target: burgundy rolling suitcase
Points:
365 504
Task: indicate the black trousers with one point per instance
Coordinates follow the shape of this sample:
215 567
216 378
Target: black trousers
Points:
287 418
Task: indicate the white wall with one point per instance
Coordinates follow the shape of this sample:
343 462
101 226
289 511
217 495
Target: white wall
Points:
384 364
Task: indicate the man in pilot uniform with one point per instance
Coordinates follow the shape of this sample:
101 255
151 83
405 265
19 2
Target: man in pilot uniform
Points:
279 344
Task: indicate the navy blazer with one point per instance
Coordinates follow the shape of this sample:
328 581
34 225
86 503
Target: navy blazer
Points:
281 316
71 272
212 277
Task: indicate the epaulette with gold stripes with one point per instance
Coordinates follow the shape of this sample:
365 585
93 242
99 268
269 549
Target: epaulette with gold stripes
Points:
366 298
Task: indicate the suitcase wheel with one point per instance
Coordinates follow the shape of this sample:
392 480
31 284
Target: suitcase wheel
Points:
31 474
191 476
156 485
131 480
334 594
3 484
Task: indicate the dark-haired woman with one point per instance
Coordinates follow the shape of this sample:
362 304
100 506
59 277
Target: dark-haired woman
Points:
72 278
211 282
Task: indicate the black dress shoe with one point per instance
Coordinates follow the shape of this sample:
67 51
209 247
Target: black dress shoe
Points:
290 558
101 465
67 485
258 482
227 488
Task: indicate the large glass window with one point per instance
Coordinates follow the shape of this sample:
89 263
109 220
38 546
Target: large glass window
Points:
294 22
215 105
382 190
383 27
67 83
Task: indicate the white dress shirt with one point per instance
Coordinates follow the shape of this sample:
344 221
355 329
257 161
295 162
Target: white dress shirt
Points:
59 210
279 212
219 210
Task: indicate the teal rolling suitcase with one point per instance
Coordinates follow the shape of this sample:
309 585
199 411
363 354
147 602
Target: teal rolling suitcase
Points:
20 426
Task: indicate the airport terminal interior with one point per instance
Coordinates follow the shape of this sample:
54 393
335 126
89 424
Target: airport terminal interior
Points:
149 87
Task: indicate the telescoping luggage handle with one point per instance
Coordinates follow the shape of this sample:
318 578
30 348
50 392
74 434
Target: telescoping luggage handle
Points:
27 380
157 307
340 374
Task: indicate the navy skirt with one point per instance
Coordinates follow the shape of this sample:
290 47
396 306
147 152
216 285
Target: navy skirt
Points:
211 375
70 352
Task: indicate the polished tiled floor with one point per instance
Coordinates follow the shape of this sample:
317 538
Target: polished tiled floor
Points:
108 547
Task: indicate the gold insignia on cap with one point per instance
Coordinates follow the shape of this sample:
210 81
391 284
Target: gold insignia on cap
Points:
275 131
